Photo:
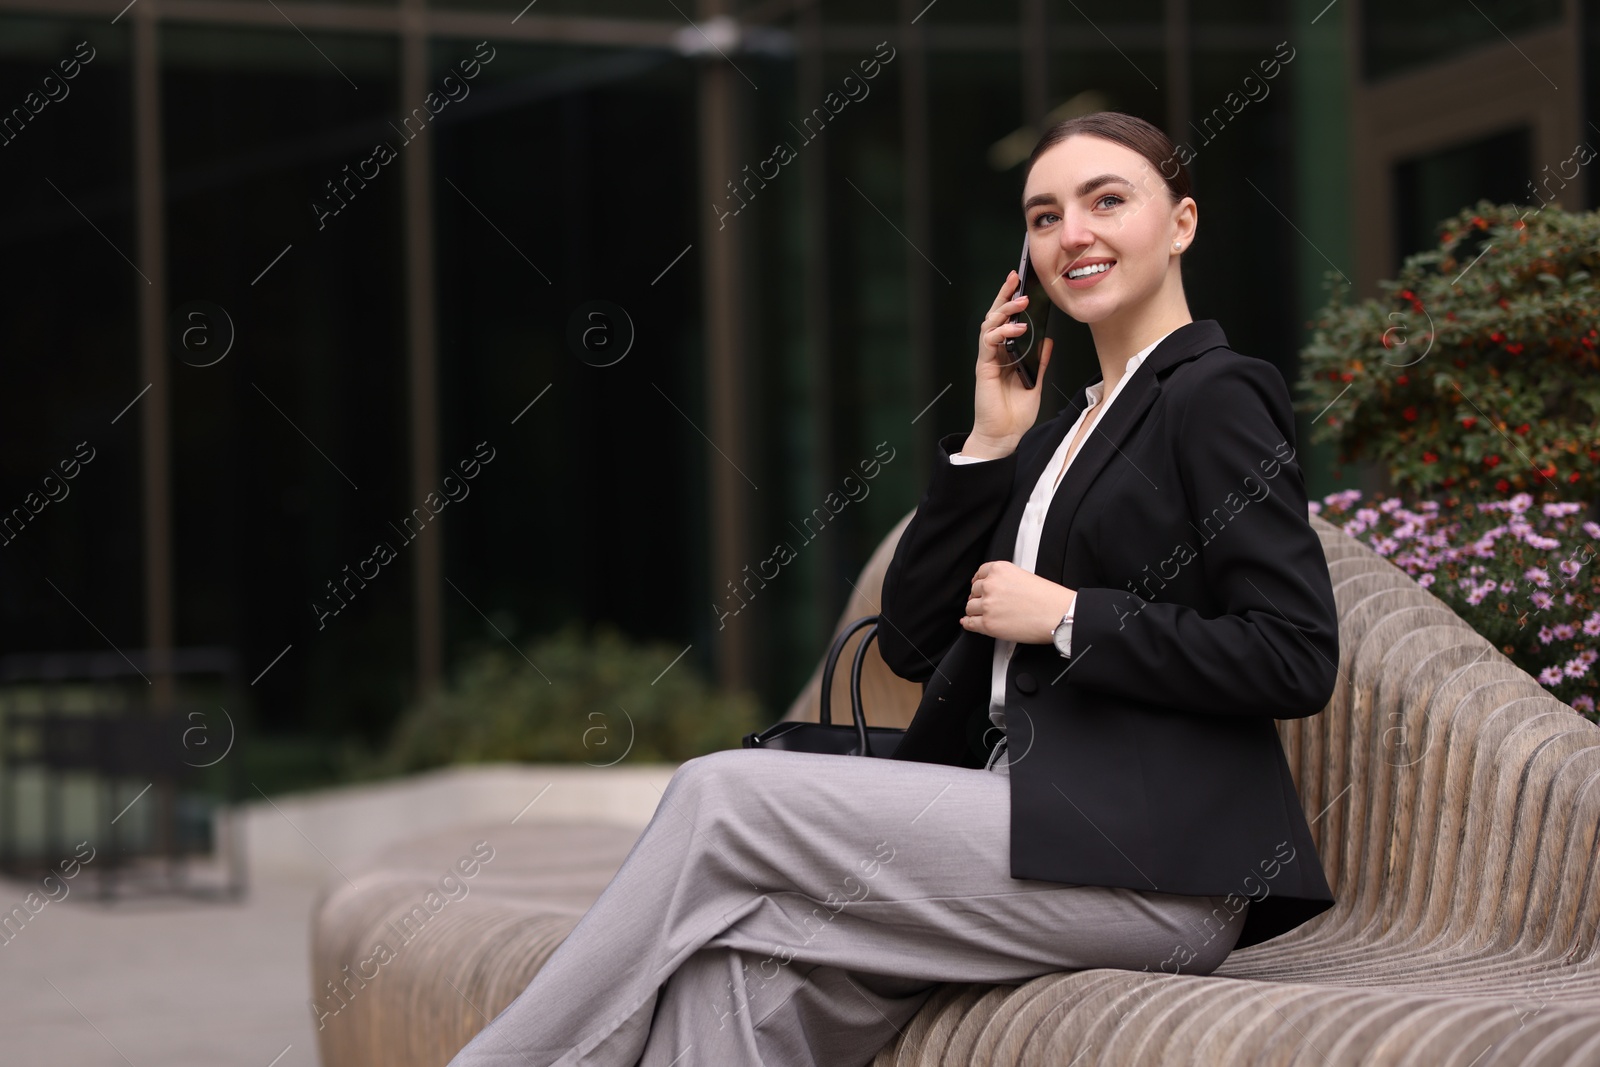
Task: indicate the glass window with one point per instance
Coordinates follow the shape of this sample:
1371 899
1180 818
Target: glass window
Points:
70 548
567 201
1432 187
1399 37
1590 58
290 456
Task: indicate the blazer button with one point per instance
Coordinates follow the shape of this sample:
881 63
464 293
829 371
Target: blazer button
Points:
1025 682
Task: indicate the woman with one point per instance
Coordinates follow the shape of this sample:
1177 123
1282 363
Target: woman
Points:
787 908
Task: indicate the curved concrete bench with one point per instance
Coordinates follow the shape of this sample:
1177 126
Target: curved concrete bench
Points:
1456 807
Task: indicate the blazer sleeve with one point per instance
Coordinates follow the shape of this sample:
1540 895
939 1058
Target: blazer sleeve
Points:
928 580
1274 648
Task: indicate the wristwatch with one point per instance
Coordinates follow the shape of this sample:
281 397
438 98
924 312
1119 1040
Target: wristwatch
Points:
1063 631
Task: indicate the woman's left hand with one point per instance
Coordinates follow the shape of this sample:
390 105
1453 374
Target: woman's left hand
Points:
1013 604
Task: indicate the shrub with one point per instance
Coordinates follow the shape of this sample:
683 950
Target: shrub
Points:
1518 573
1479 372
594 698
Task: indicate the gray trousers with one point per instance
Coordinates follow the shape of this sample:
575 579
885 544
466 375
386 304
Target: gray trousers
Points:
787 908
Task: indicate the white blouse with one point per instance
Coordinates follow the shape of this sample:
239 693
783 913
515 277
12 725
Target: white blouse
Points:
1026 551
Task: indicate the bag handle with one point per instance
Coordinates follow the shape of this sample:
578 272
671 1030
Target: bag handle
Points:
855 677
855 690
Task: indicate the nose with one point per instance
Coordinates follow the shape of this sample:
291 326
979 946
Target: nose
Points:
1075 233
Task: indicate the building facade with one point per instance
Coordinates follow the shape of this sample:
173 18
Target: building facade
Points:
397 326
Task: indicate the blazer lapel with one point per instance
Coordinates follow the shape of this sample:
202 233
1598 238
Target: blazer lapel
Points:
1105 442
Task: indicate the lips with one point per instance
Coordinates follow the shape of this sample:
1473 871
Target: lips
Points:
1084 283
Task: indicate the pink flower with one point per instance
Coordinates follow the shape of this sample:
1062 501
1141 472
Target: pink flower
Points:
1426 580
1537 575
1545 636
1575 667
1585 702
1591 625
1343 499
1542 601
1550 676
1565 632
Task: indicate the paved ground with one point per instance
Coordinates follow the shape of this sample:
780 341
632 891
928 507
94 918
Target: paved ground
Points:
168 982
159 983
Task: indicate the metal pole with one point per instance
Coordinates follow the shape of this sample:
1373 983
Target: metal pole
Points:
154 410
826 601
725 391
422 348
919 226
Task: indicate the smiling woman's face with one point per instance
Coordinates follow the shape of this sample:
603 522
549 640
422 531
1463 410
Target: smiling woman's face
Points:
1090 201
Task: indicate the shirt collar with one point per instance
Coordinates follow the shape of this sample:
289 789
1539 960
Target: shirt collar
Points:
1094 391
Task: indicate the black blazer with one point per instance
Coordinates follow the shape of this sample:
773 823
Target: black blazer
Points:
1204 612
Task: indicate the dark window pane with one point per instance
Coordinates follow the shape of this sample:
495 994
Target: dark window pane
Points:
290 458
569 176
1401 37
71 557
1432 187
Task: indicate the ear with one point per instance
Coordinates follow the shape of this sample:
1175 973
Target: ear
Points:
1186 220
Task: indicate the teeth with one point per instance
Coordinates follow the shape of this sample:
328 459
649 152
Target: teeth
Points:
1084 272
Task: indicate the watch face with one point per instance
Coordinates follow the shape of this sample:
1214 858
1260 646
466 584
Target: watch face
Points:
1063 636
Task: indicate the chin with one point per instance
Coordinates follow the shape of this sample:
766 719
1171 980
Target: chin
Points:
1090 312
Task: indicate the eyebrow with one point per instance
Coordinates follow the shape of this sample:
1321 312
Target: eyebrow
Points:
1083 190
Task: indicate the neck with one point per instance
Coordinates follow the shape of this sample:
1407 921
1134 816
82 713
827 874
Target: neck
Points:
1122 336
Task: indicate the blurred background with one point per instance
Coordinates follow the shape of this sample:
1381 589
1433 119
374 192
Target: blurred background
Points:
359 353
209 179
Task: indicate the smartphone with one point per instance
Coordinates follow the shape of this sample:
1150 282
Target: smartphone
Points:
1040 317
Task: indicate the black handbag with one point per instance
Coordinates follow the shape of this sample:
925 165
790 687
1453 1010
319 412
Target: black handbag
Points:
857 740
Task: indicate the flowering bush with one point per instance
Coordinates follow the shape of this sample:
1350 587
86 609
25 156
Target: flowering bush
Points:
1515 571
1479 372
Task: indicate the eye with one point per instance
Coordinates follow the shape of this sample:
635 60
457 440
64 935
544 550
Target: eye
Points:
1108 196
1038 220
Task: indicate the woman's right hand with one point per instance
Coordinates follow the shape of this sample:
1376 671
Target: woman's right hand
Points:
1003 408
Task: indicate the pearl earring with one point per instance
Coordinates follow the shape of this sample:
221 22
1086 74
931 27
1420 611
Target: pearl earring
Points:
1175 244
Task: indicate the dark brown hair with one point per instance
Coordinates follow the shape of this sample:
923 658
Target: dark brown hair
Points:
1129 131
